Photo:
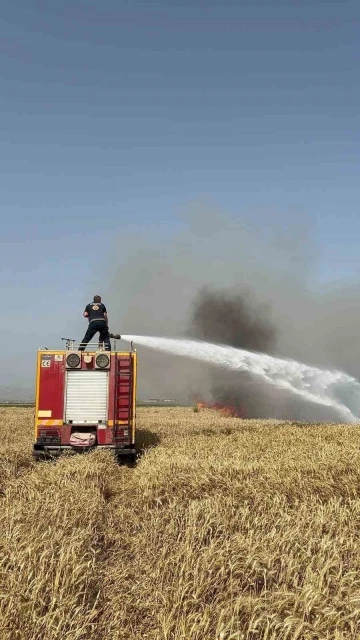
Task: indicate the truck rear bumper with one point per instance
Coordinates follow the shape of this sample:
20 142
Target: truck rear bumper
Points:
55 451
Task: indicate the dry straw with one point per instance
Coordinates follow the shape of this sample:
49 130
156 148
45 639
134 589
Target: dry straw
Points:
226 529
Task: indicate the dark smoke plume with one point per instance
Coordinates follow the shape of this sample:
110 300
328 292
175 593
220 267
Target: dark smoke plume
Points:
236 320
232 319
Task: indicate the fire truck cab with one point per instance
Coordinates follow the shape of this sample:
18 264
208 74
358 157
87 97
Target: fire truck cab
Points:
85 400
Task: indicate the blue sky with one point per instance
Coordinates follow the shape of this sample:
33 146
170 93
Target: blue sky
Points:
115 114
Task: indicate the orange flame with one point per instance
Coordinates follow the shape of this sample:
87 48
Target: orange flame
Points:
227 411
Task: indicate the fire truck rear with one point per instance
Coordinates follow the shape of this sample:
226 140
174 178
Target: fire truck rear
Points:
85 400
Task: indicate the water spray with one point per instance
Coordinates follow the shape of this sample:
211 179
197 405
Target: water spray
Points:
333 389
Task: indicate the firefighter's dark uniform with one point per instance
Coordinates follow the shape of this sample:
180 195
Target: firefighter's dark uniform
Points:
97 322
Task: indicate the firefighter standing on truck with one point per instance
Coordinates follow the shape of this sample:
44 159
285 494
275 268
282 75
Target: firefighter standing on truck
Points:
98 322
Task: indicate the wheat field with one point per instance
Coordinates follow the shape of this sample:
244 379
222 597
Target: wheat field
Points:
226 529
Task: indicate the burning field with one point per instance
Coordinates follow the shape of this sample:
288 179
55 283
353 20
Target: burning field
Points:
228 411
226 529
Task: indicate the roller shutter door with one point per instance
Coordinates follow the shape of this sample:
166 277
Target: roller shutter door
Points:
86 398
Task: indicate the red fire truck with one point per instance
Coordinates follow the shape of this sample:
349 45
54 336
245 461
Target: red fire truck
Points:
85 400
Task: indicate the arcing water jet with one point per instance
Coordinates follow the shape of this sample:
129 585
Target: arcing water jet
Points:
333 389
